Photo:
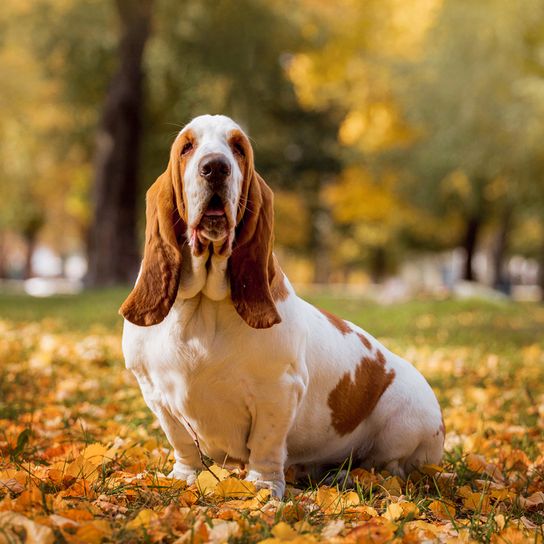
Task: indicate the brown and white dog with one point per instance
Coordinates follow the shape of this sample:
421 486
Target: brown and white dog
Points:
227 355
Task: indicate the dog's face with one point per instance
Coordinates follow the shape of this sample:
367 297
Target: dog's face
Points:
212 157
210 196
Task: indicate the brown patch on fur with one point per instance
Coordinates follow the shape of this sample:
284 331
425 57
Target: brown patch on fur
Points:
166 224
364 340
336 321
353 400
251 265
157 286
277 287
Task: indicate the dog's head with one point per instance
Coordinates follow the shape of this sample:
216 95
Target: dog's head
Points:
211 197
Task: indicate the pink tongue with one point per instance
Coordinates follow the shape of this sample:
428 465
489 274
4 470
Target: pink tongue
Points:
214 212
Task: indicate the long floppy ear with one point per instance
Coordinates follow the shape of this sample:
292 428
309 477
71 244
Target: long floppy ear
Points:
157 284
251 265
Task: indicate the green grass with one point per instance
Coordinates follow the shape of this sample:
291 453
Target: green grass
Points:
496 326
79 313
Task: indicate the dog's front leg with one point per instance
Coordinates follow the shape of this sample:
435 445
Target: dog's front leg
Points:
271 420
186 454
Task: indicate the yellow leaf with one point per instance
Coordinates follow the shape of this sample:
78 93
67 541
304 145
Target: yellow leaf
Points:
143 519
409 509
365 479
393 512
260 498
374 531
81 468
235 488
442 509
393 485
477 502
399 510
500 520
510 535
477 463
92 532
350 499
284 531
431 469
95 454
328 499
208 479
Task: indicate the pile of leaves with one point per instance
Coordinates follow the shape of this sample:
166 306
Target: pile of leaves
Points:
83 460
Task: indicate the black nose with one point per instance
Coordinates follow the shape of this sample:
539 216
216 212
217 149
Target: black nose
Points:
214 168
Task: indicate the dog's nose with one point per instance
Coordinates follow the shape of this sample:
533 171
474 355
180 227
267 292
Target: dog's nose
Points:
214 168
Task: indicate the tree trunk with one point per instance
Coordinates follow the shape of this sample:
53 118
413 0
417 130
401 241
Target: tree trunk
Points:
113 242
320 243
30 232
541 273
378 264
3 256
469 245
30 239
500 281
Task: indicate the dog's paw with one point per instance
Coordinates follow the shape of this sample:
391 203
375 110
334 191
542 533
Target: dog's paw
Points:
183 472
276 485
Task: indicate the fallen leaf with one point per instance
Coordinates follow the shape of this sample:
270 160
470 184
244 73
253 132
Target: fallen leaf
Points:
208 479
143 519
284 531
235 488
533 502
442 509
12 524
374 531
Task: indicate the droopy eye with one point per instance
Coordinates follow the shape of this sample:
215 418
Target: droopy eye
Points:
186 148
239 149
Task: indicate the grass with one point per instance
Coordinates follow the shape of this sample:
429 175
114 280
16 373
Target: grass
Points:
90 310
83 457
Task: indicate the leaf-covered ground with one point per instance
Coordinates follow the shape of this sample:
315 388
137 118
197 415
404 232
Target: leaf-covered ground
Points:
82 459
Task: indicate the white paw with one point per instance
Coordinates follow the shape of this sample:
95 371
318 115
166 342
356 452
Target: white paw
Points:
276 485
183 472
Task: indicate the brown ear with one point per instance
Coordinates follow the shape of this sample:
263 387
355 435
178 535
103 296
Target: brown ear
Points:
157 285
251 265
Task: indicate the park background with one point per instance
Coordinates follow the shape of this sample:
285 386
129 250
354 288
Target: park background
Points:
404 143
402 139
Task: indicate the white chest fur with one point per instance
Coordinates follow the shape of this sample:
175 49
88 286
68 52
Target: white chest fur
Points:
200 369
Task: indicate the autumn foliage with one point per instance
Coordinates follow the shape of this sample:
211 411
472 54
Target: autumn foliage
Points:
83 460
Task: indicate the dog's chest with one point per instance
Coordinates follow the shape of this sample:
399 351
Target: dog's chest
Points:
187 365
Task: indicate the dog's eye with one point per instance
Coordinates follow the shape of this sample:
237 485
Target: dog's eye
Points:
238 149
186 148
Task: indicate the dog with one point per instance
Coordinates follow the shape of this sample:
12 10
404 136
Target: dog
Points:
233 364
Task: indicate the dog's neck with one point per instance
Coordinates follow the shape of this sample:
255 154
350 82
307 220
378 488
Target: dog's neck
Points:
205 273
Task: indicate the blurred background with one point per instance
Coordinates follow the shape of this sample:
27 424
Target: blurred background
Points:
403 138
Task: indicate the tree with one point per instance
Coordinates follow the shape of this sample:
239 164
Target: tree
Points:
467 100
113 242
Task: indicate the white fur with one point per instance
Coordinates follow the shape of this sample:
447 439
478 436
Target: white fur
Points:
261 396
211 132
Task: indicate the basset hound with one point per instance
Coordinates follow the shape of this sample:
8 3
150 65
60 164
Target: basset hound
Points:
233 364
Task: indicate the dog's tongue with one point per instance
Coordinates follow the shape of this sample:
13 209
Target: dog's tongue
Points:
215 207
212 212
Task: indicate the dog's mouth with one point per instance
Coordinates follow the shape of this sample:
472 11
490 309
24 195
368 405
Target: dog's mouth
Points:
214 223
215 207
